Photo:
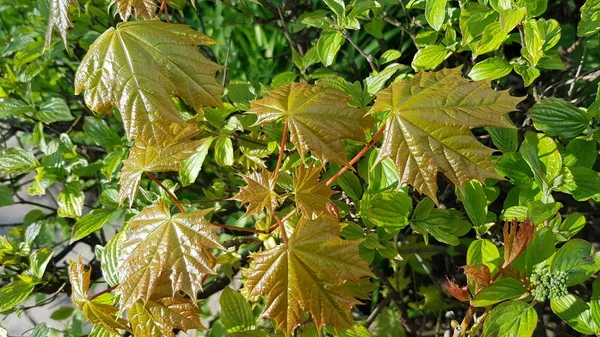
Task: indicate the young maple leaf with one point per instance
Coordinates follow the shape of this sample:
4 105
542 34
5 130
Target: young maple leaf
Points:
428 129
258 193
163 312
311 194
156 155
319 118
516 239
144 9
308 274
159 243
99 311
139 66
59 17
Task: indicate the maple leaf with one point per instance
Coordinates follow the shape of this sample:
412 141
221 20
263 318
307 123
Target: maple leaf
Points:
516 239
164 312
311 194
98 311
143 8
138 66
319 118
428 130
154 156
59 18
258 193
159 243
308 274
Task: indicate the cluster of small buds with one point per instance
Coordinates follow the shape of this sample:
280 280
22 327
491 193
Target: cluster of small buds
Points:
549 285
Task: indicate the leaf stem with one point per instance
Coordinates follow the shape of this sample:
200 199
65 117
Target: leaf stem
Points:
357 157
281 150
171 195
107 290
283 233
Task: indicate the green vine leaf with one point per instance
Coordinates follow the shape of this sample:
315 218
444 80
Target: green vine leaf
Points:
312 273
428 130
137 68
158 243
319 118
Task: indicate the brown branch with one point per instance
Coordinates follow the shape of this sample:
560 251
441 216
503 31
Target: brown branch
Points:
107 290
283 233
171 195
281 150
368 57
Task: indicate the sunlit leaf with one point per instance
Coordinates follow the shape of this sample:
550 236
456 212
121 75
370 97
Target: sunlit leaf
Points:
311 194
142 8
158 243
319 118
258 193
309 274
428 130
59 18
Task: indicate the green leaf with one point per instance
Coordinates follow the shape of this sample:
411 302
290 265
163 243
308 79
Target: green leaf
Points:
513 166
539 36
110 259
515 318
38 261
595 302
389 56
529 74
40 330
541 153
337 6
540 248
445 225
483 251
570 226
224 151
581 182
429 57
575 312
492 68
536 7
435 13
557 117
90 223
474 18
6 196
577 259
590 18
389 209
328 46
101 133
511 17
539 211
10 107
190 168
282 79
236 313
500 290
475 202
580 152
351 185
492 38
505 139
63 313
500 5
14 293
70 200
54 110
16 161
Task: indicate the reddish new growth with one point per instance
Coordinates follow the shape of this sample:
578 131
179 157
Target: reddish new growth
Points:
479 274
516 239
460 293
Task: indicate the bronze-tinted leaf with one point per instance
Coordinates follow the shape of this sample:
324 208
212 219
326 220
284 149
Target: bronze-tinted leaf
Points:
311 194
319 118
98 311
59 17
429 127
516 239
479 274
309 274
144 9
460 293
160 244
258 193
137 68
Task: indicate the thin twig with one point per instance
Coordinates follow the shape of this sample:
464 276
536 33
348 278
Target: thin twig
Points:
281 151
368 57
579 68
171 195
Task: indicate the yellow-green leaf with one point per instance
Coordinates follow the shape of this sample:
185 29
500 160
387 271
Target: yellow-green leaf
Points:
311 194
159 243
138 66
310 274
319 118
428 130
258 193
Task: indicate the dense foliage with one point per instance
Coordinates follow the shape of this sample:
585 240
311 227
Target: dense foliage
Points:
339 168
